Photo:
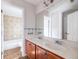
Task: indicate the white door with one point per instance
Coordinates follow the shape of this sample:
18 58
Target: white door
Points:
72 26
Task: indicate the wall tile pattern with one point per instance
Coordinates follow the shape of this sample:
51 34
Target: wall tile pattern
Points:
13 27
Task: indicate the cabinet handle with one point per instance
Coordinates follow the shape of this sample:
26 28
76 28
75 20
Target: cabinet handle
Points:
29 44
45 53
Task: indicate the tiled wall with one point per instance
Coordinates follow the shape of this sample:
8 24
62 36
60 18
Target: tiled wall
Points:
13 27
33 31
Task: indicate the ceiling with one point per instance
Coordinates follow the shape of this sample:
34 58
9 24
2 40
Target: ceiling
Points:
34 2
37 2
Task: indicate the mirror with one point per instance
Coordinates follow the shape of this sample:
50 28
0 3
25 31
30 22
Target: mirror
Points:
40 23
50 23
58 24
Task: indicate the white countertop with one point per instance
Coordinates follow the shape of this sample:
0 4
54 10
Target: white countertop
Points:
67 50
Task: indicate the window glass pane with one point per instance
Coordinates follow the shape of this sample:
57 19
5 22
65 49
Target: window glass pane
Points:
47 26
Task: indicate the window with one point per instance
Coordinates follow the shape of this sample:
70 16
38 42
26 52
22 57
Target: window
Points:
47 26
53 25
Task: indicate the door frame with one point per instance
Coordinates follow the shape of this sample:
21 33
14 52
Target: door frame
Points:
64 22
2 35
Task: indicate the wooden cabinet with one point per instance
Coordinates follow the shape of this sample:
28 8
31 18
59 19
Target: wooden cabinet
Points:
30 50
35 52
41 53
53 56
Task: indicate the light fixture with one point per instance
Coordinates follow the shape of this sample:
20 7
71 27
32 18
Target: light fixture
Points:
72 0
47 2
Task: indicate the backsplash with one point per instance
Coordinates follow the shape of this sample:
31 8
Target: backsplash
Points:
33 31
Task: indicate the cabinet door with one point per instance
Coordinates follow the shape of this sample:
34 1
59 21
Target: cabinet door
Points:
30 50
40 53
53 56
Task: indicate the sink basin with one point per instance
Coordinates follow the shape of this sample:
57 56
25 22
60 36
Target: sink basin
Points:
40 37
59 42
55 46
67 43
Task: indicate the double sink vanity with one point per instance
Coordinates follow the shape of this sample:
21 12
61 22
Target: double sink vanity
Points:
50 48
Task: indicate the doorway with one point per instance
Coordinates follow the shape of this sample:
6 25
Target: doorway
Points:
70 25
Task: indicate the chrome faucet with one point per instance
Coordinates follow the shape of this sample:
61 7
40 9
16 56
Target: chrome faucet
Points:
58 42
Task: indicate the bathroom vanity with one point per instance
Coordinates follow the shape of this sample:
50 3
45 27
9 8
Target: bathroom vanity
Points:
48 49
34 51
